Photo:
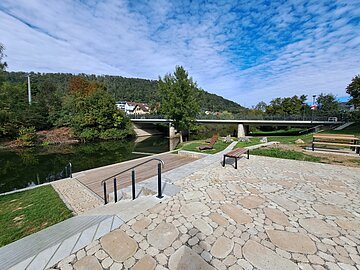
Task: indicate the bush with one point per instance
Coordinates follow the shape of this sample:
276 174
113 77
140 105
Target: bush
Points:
113 134
27 136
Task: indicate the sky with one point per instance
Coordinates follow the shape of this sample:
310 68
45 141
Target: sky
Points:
246 51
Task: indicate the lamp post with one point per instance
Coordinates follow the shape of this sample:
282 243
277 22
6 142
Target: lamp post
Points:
313 109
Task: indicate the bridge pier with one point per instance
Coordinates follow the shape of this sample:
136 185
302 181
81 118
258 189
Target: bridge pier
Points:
243 130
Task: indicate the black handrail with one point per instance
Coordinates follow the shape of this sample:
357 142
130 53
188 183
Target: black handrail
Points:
103 182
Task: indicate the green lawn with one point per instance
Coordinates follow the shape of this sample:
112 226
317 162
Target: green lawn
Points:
252 141
353 130
193 146
307 138
285 132
286 154
30 211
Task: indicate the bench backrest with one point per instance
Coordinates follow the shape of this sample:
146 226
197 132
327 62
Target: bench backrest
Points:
214 139
333 135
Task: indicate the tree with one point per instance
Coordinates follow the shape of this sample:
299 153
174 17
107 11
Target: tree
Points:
261 106
353 89
179 99
286 106
327 103
93 114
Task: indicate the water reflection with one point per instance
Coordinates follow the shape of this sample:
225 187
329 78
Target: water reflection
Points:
27 167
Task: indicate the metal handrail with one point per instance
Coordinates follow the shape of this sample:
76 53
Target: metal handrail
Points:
161 163
131 168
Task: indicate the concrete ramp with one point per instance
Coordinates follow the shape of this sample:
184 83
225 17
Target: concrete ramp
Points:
344 126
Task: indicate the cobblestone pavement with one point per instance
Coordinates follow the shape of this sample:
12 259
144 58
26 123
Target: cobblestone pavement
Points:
268 214
76 196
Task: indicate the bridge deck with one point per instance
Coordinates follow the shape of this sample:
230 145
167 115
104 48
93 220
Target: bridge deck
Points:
92 178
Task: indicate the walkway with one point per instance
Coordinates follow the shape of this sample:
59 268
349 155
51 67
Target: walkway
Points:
92 178
268 214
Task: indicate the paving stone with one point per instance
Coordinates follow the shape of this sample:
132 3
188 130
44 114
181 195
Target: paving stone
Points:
119 245
238 215
330 210
203 226
193 208
251 201
141 224
163 235
88 263
318 227
294 242
219 219
222 247
185 258
264 258
349 224
284 202
277 216
215 194
191 195
145 263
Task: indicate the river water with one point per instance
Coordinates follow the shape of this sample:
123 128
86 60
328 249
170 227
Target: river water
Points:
26 167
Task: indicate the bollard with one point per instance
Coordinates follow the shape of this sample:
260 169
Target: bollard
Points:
159 181
133 184
115 190
105 196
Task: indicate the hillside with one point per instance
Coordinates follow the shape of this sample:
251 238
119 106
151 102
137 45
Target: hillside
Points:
130 89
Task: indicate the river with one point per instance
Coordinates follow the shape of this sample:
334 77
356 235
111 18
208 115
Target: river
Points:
20 168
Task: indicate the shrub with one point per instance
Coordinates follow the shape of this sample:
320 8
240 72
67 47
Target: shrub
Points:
27 136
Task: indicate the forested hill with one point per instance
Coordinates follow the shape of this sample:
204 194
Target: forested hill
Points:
130 89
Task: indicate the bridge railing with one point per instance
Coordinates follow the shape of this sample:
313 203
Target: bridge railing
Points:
251 117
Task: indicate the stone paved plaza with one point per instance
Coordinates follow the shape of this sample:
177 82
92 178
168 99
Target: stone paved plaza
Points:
268 214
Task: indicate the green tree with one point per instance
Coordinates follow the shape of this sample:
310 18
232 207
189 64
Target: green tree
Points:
353 89
327 103
286 106
261 106
179 99
93 115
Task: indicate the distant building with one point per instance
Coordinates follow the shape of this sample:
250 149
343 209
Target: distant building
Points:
133 107
346 107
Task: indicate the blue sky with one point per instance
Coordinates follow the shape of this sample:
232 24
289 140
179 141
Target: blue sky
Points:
246 51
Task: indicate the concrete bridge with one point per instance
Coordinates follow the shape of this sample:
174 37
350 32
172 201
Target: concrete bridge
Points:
243 125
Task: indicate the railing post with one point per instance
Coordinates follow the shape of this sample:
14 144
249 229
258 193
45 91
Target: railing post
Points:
133 184
70 169
115 190
105 195
159 181
66 171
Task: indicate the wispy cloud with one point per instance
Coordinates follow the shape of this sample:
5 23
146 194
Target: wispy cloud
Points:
240 50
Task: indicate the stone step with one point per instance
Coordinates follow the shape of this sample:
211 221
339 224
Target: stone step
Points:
126 209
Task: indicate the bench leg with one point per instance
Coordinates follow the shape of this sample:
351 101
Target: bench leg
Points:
313 146
235 163
248 154
224 162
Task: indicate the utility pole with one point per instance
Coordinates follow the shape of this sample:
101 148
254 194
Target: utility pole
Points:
29 89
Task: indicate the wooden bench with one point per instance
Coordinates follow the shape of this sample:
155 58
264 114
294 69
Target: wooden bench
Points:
236 154
213 140
344 140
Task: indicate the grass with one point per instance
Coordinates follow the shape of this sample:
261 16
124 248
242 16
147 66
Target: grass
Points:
307 138
286 154
355 161
252 141
27 212
285 132
353 130
193 146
